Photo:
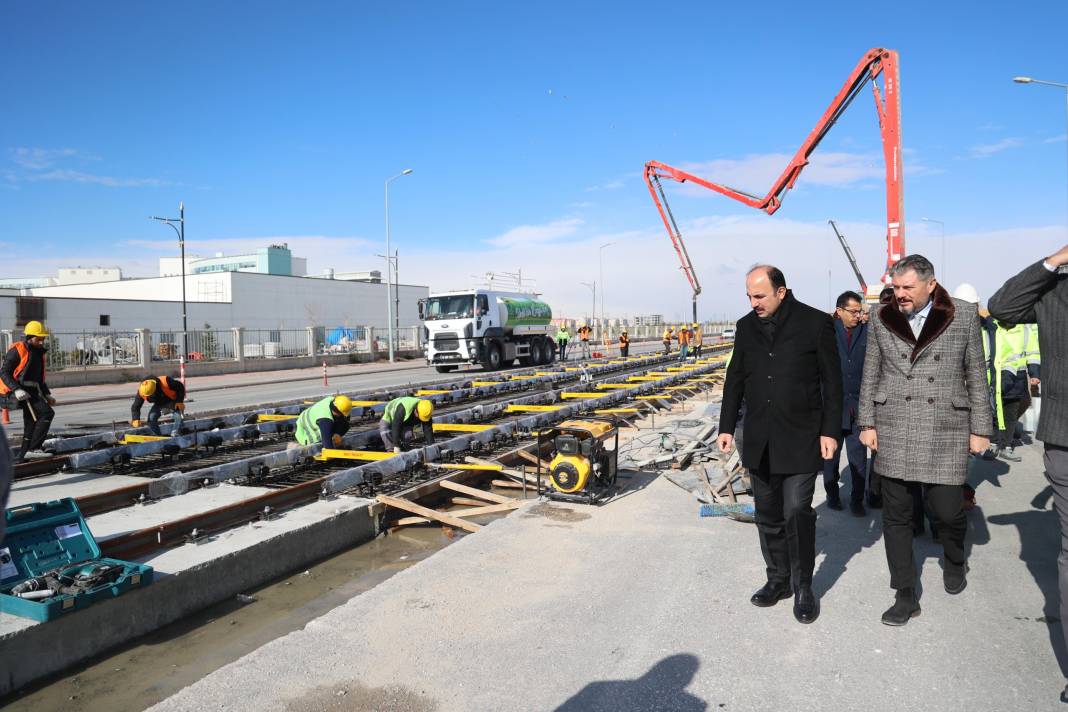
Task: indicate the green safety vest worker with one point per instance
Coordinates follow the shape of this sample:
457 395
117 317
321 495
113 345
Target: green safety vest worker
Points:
562 335
325 422
1015 353
404 413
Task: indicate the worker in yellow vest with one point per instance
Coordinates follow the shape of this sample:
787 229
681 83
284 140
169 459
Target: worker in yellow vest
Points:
1013 361
669 334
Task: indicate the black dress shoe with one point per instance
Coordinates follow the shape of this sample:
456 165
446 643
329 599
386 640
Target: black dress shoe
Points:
874 501
857 508
955 579
806 605
834 503
770 594
905 607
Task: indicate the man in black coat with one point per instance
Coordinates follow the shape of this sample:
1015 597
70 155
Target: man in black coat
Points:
786 367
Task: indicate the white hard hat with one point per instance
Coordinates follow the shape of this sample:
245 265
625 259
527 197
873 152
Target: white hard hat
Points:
967 293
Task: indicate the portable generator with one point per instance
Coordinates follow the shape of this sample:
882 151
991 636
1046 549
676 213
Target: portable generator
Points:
583 468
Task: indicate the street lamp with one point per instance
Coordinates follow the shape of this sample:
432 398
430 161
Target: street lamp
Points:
593 287
1060 85
942 227
600 276
389 280
180 229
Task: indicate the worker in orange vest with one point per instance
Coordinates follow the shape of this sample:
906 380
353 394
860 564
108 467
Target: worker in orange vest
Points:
164 394
684 342
698 340
624 344
22 381
584 340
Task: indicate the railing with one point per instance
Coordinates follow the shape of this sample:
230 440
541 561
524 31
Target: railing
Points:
93 349
276 343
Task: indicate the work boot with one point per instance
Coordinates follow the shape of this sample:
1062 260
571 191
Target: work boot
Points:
905 606
36 455
834 502
955 578
857 508
806 605
770 594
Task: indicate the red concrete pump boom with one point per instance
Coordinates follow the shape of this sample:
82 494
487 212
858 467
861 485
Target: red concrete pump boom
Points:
887 105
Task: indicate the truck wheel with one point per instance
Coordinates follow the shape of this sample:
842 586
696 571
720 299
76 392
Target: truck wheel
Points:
536 354
492 359
445 369
550 352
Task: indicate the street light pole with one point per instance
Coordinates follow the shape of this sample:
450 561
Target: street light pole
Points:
180 230
1060 85
389 271
592 286
600 276
943 268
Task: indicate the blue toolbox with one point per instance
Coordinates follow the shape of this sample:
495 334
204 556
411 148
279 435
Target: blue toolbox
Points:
50 564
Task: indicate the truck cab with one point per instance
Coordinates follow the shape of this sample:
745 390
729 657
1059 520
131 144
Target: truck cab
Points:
488 327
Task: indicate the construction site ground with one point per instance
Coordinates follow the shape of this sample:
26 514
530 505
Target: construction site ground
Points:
641 604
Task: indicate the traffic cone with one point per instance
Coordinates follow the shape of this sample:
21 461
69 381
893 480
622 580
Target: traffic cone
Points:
7 417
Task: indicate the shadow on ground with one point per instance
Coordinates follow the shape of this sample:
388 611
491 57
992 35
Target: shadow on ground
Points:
662 688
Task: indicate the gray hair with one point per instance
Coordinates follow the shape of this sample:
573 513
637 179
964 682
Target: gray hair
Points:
915 263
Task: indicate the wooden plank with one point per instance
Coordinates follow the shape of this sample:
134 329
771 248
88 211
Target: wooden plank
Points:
468 501
422 511
507 484
510 471
460 427
465 513
475 492
532 458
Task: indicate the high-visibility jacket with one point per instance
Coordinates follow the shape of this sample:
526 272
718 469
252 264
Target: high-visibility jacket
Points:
1013 356
403 407
667 334
624 339
15 365
684 337
169 392
562 335
308 431
584 333
698 337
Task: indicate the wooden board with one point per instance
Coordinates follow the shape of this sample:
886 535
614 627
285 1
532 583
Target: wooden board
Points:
422 511
475 492
532 458
507 484
464 513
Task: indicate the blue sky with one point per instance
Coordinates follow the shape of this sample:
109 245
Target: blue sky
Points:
527 127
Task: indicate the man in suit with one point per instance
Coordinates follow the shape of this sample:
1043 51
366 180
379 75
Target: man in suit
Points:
785 366
852 337
1039 295
923 407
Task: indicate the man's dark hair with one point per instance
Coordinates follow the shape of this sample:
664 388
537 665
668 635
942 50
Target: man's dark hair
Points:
775 275
846 297
887 295
918 263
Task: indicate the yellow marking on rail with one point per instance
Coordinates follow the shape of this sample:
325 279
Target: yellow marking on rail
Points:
460 427
581 395
129 439
644 378
662 396
678 388
431 392
532 408
609 411
366 404
572 368
658 373
476 384
459 466
615 385
367 455
546 373
520 378
268 418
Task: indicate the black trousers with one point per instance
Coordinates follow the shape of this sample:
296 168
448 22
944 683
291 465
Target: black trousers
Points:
1011 411
786 523
37 418
944 502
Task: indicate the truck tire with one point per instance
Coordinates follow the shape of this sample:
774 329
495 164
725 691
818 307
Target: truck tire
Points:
492 360
445 369
550 352
537 355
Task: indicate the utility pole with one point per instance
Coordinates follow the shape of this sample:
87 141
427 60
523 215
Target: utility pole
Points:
389 279
180 230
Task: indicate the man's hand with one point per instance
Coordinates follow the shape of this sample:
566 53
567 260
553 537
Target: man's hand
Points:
1035 381
135 423
336 439
21 395
51 400
827 447
977 444
869 439
1059 258
725 442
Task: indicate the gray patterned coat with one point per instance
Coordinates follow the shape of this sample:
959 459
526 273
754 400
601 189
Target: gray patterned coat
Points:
926 396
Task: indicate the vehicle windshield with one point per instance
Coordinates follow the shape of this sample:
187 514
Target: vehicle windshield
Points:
457 306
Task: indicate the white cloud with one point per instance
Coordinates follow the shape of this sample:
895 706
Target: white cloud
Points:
64 174
756 173
985 150
1057 139
36 159
537 234
45 164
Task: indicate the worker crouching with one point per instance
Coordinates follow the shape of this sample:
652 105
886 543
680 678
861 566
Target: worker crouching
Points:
22 381
399 419
166 395
324 423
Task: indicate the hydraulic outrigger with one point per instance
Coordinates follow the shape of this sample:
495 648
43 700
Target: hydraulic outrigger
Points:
887 105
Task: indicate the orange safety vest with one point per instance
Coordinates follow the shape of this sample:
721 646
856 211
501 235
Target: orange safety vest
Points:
624 339
24 360
584 333
167 389
684 337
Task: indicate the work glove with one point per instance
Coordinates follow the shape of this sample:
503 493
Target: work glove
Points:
180 407
51 400
396 451
21 395
336 440
135 423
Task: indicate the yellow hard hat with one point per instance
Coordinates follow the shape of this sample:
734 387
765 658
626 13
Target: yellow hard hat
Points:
343 405
424 410
147 388
35 328
695 325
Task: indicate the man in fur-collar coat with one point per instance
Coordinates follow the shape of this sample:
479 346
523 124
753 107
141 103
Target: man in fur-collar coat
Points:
924 407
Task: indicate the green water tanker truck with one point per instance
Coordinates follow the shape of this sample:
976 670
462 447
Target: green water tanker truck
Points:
488 327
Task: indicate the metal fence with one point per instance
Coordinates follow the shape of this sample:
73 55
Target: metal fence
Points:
87 349
276 343
200 344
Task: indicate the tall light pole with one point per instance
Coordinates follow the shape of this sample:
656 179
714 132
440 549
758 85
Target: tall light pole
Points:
180 229
1061 85
592 286
600 277
389 271
942 267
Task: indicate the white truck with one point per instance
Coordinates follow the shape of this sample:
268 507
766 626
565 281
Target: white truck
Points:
486 326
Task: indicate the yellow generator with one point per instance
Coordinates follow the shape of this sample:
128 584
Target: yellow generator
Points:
583 468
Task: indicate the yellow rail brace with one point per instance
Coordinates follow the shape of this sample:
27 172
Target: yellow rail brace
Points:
532 408
431 392
268 418
476 384
459 466
133 439
611 411
366 455
581 395
460 427
615 385
644 378
366 404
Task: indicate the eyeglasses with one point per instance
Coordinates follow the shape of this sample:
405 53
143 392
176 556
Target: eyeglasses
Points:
854 312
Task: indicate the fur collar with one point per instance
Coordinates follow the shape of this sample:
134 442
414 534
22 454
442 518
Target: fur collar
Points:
938 320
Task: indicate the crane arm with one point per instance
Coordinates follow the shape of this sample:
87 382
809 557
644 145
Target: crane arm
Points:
851 258
887 104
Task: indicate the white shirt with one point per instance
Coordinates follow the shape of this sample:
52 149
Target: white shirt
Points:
917 319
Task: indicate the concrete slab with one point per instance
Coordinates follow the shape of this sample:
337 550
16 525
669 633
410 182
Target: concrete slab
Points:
641 604
66 484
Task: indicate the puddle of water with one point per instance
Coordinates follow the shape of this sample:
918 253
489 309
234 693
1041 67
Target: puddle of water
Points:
156 666
555 512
